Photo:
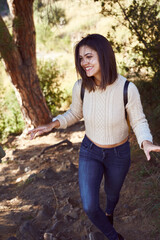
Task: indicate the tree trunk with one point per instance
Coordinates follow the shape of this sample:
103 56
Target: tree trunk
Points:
19 55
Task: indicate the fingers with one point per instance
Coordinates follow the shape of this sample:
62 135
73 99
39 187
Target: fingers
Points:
150 147
153 149
36 132
147 155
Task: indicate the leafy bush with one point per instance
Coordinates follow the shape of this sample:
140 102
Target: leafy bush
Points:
11 120
48 76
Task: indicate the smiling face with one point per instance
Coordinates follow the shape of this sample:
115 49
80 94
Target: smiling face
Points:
89 61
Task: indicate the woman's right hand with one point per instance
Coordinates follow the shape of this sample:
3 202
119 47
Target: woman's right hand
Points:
43 129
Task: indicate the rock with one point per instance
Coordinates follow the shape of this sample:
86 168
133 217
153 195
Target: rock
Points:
32 159
73 214
27 169
48 174
33 176
28 232
48 236
57 227
18 180
45 213
96 236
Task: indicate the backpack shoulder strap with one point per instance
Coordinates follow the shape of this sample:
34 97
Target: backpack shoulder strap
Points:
125 96
82 92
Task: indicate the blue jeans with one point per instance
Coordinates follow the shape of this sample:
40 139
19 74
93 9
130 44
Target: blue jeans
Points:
94 163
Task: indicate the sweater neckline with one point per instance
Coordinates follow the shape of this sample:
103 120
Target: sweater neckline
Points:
114 84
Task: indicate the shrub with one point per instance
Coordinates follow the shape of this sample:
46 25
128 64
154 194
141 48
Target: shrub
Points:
11 120
48 76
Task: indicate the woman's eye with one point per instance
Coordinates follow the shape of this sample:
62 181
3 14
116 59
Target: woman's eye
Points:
89 56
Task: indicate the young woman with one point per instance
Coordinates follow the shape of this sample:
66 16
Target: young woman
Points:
105 149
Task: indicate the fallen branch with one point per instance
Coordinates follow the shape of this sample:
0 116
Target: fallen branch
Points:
55 145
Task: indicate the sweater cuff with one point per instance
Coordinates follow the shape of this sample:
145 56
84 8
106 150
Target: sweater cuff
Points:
143 138
62 121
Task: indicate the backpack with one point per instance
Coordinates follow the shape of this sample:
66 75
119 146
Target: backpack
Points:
125 98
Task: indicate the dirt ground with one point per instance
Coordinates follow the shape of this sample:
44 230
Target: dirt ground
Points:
39 192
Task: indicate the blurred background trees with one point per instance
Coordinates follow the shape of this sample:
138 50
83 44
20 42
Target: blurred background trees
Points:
132 27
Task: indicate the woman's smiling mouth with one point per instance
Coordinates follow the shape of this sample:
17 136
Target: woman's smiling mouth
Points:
88 68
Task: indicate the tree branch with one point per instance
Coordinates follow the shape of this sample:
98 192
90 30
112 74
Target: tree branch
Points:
8 48
132 25
24 30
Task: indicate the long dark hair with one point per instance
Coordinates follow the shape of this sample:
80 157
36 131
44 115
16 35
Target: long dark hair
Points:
106 60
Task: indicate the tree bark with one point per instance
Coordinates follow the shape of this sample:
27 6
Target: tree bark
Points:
19 54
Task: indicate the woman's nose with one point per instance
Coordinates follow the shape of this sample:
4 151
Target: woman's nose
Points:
84 62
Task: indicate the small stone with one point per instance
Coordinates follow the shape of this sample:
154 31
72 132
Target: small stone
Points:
32 159
73 215
18 180
48 236
27 169
96 236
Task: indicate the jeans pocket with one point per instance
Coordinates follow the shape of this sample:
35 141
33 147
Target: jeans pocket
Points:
85 144
123 151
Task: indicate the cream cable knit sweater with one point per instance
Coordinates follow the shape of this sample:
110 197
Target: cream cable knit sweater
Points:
103 113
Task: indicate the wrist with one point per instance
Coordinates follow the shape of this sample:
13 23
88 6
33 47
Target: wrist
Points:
145 142
55 124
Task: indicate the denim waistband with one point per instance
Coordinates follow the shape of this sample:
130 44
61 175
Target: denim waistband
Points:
91 145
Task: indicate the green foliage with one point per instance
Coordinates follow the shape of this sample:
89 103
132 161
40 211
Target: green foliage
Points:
48 17
49 13
150 92
48 76
142 18
11 120
44 35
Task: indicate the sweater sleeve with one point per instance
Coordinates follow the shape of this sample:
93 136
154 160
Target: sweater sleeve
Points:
74 113
137 118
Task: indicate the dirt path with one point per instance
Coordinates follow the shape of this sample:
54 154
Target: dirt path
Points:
39 192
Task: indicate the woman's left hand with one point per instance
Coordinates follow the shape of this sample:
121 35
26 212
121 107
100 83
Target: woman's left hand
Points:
149 147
